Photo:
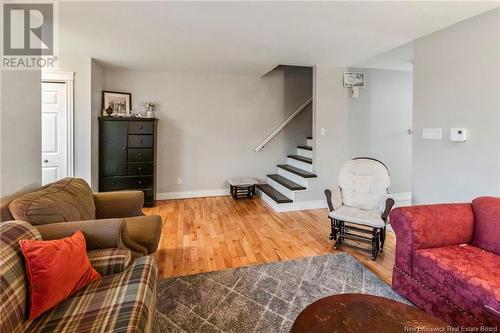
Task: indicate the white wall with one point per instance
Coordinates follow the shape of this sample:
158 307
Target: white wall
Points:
456 84
379 120
210 124
20 124
81 66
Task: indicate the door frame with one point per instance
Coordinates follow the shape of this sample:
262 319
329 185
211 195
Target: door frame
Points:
66 78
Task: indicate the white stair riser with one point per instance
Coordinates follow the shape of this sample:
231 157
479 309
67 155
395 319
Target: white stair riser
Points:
293 177
282 189
310 142
294 206
267 199
304 153
298 164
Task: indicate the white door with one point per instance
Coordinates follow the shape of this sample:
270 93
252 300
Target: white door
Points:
54 132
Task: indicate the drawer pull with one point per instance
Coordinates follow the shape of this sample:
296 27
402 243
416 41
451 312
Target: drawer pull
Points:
140 140
139 155
124 147
139 168
139 182
140 126
114 182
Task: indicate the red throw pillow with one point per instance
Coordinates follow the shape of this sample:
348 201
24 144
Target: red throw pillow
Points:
56 269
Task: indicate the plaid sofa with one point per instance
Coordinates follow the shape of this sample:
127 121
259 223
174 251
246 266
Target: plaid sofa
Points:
122 301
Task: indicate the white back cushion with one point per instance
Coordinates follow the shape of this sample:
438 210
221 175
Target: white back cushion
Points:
364 183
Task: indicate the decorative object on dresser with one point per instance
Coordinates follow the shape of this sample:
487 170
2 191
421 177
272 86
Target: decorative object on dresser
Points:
150 109
127 155
120 102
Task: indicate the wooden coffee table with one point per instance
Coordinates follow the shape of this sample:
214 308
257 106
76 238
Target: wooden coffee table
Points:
362 313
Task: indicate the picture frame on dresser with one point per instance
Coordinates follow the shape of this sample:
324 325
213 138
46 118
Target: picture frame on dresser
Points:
120 102
127 155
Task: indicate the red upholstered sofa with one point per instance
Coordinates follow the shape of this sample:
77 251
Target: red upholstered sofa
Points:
448 260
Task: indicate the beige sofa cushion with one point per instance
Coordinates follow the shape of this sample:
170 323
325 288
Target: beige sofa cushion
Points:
69 199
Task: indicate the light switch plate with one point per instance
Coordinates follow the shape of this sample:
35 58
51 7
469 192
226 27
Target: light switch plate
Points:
432 133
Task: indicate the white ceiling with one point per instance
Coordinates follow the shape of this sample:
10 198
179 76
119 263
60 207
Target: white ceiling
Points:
248 38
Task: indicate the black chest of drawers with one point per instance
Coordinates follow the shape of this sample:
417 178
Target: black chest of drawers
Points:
127 155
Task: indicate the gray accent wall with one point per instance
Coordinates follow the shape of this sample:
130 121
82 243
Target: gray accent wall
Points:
457 84
375 125
379 120
210 124
20 131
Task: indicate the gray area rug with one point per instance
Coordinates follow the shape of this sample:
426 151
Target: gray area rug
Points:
264 298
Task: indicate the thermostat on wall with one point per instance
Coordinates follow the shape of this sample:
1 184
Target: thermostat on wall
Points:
458 134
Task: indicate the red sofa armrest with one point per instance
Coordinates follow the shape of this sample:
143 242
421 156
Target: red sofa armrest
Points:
428 226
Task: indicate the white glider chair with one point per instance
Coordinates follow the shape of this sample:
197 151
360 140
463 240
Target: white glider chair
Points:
360 205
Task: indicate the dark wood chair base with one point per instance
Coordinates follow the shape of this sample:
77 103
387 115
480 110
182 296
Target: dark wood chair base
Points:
374 237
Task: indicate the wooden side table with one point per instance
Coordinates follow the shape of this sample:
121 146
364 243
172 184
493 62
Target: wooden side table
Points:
361 313
242 187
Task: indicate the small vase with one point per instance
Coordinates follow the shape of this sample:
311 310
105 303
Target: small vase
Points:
150 114
109 110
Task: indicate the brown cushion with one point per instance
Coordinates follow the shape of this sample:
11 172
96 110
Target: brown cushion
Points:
69 199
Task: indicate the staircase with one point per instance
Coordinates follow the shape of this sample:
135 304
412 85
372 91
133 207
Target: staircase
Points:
290 178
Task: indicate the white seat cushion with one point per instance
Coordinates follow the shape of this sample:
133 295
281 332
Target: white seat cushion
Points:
366 217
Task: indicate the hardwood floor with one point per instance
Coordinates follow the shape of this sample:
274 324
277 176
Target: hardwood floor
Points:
216 233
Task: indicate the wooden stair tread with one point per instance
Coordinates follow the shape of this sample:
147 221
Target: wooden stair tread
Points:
297 171
305 147
273 193
286 182
301 158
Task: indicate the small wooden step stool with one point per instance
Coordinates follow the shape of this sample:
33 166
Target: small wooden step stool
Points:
242 187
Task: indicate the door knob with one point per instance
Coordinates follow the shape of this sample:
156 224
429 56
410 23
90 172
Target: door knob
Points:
45 161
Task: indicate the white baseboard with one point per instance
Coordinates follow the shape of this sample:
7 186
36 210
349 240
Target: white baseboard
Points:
401 199
192 194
